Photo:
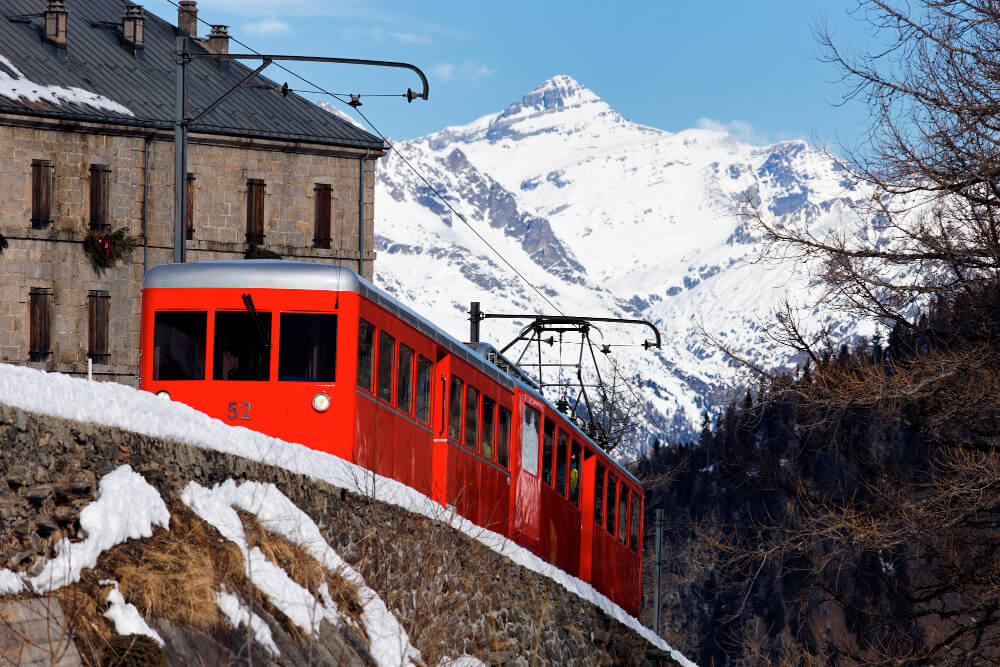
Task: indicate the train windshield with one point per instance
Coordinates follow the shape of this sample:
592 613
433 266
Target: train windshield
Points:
179 344
307 347
242 351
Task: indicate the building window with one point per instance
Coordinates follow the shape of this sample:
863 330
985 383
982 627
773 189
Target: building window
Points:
42 179
100 189
99 310
39 310
255 211
189 209
323 196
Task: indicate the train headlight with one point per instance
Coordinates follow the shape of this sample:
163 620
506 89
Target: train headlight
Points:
321 402
164 394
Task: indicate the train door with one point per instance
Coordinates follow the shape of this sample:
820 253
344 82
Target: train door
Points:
527 484
439 453
588 476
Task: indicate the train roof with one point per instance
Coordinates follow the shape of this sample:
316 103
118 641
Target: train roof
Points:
285 274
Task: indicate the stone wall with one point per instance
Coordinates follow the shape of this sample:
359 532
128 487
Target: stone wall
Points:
54 258
452 594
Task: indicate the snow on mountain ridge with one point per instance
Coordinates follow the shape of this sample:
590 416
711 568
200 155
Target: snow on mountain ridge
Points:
646 223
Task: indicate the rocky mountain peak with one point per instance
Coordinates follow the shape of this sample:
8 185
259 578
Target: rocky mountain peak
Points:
559 92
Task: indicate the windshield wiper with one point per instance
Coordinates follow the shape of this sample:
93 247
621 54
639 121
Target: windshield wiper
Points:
264 334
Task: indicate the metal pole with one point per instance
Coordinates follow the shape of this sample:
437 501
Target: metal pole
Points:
474 318
180 148
656 576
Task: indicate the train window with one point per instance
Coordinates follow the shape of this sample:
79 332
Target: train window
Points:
424 389
633 535
609 503
179 344
366 354
386 344
455 409
503 436
547 437
471 416
562 451
241 351
574 474
622 511
307 347
599 494
486 432
404 379
529 440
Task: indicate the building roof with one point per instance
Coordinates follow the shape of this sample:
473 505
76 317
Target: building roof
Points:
95 78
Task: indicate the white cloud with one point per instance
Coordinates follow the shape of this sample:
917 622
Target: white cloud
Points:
738 129
468 71
337 8
410 38
743 131
268 26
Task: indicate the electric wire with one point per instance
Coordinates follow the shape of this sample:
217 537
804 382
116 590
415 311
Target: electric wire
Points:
393 148
339 97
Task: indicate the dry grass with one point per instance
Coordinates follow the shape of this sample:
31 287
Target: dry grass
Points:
304 569
175 574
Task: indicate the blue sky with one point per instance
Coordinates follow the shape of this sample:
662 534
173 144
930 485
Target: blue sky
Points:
751 67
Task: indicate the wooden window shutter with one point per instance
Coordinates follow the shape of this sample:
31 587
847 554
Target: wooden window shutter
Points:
255 211
322 193
99 313
39 313
189 211
42 179
100 187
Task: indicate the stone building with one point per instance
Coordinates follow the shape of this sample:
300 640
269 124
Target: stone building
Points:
86 149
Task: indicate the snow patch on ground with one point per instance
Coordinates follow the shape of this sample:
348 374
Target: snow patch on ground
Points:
15 86
10 583
126 617
388 641
239 614
127 507
116 405
461 661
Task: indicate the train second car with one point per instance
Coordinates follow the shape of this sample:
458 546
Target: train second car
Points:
315 354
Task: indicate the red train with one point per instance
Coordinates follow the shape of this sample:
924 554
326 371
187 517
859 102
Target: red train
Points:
315 354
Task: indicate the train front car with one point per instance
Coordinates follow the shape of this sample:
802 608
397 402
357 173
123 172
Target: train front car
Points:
259 344
314 354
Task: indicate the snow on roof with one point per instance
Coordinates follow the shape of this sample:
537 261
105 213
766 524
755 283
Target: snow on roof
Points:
16 86
118 406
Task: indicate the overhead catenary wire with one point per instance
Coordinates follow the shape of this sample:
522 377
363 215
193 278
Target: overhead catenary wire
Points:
320 90
402 157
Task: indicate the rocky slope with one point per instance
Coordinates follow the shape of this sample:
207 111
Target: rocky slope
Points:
607 217
452 595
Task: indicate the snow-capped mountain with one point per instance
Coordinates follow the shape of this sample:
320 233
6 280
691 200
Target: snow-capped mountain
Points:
605 217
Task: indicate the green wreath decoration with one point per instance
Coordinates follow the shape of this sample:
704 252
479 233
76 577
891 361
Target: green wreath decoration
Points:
105 250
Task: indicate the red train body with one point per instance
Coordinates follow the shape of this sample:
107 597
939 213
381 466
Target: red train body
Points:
314 354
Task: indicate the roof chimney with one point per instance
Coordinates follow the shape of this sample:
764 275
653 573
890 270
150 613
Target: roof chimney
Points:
134 26
187 17
56 19
218 39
